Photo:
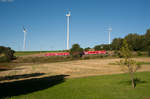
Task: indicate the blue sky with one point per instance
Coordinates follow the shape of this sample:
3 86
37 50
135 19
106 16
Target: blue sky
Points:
45 21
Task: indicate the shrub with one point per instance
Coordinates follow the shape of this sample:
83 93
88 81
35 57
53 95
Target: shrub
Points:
118 54
76 51
87 49
6 54
139 53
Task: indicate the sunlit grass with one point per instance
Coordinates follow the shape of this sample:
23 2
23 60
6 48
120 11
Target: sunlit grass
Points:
98 87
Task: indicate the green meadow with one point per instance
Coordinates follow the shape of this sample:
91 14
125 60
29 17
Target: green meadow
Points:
116 86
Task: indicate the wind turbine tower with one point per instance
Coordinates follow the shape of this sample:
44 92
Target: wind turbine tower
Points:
68 16
24 41
109 31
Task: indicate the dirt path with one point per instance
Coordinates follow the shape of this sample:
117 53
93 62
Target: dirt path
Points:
78 68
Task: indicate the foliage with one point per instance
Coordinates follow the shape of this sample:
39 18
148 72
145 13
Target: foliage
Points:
125 51
87 49
6 54
102 47
139 53
128 65
97 47
76 51
135 42
118 54
147 38
117 43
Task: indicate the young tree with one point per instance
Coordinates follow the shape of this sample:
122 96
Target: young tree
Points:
128 65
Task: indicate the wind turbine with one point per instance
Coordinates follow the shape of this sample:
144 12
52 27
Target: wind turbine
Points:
68 15
24 41
109 31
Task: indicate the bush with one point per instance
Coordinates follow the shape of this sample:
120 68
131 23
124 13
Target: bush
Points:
139 53
6 54
118 54
3 59
87 49
76 51
102 47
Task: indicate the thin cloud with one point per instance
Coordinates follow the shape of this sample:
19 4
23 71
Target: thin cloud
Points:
7 0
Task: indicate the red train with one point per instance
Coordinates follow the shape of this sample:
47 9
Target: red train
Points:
67 53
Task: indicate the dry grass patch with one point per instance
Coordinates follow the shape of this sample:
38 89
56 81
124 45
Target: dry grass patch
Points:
79 68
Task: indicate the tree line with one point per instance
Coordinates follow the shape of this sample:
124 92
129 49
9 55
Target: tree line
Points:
135 41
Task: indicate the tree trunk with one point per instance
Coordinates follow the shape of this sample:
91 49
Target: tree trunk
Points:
132 79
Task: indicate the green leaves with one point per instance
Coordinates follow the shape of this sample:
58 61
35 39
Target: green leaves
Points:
117 43
130 64
125 51
76 51
8 54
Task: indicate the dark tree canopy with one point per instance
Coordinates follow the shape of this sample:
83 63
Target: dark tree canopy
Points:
102 47
147 38
135 41
87 49
117 43
6 54
76 51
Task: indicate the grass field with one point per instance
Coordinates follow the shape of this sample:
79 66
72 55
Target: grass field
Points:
115 86
77 68
78 79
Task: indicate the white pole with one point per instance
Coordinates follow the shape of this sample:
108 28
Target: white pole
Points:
109 37
24 43
68 15
109 31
